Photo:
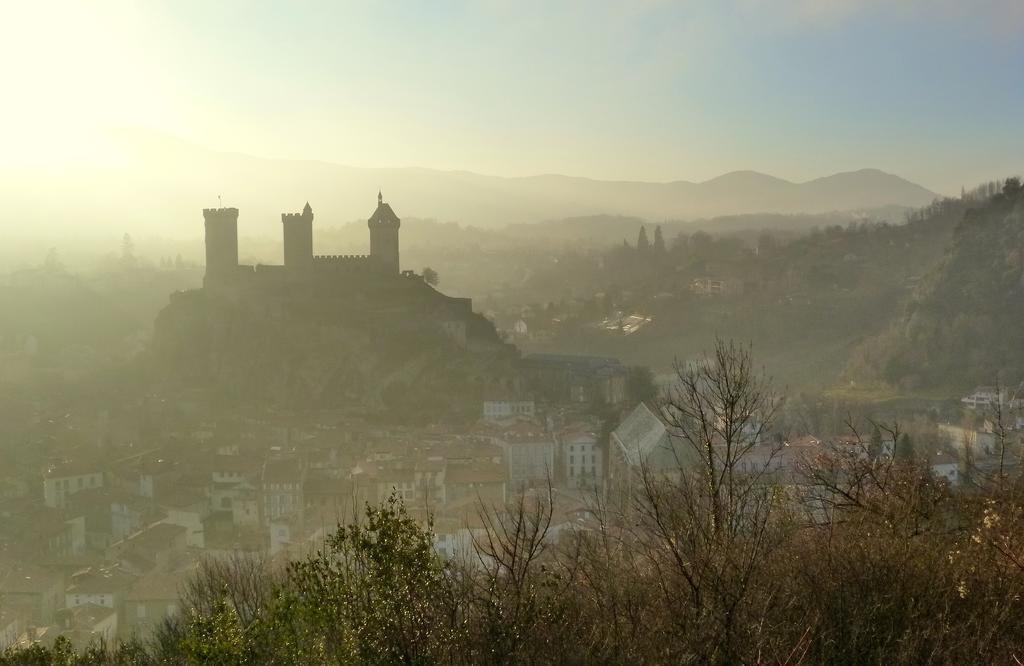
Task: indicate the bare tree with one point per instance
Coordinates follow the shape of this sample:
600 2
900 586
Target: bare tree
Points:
720 407
707 528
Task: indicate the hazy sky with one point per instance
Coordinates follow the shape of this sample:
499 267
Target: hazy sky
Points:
933 91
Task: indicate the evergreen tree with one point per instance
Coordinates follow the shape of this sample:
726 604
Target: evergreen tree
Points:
659 240
904 448
875 443
128 251
642 244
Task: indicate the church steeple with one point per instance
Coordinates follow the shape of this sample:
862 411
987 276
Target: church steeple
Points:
380 198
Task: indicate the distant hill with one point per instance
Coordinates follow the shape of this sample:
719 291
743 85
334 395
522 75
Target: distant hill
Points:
158 185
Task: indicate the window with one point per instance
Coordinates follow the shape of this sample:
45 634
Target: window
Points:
140 611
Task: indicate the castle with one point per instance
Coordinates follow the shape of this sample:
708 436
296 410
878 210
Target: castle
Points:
370 289
223 270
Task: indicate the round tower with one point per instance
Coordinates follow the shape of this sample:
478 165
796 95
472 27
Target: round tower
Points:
221 243
298 238
384 226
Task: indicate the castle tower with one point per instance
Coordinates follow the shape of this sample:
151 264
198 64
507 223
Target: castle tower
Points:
384 226
298 238
221 243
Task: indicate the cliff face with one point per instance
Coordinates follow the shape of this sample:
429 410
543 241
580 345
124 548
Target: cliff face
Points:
396 357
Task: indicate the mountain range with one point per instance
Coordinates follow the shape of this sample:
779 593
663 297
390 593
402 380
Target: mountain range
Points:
159 184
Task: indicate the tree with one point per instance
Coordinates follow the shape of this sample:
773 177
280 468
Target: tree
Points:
128 259
374 594
431 277
904 448
642 244
659 240
640 385
708 526
52 263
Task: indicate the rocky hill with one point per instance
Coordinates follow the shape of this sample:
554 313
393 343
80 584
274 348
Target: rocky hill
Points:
340 355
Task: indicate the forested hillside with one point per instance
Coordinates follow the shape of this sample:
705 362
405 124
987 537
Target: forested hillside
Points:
962 327
807 303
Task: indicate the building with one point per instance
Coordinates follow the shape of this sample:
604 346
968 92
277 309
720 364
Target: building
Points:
582 459
187 508
153 598
308 282
66 480
37 592
498 408
158 547
89 624
281 488
102 587
975 443
569 378
643 442
985 397
946 466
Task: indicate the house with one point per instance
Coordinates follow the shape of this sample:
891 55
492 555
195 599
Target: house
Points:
482 480
329 495
89 624
457 529
37 592
32 530
709 287
281 488
160 546
582 459
529 454
188 508
153 598
978 443
98 587
944 465
497 408
62 481
986 397
13 487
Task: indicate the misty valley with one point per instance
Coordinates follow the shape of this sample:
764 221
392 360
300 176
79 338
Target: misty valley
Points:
210 459
511 333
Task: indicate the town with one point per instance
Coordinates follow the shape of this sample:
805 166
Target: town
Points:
99 537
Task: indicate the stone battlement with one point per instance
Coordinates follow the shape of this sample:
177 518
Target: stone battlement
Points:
220 213
340 258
